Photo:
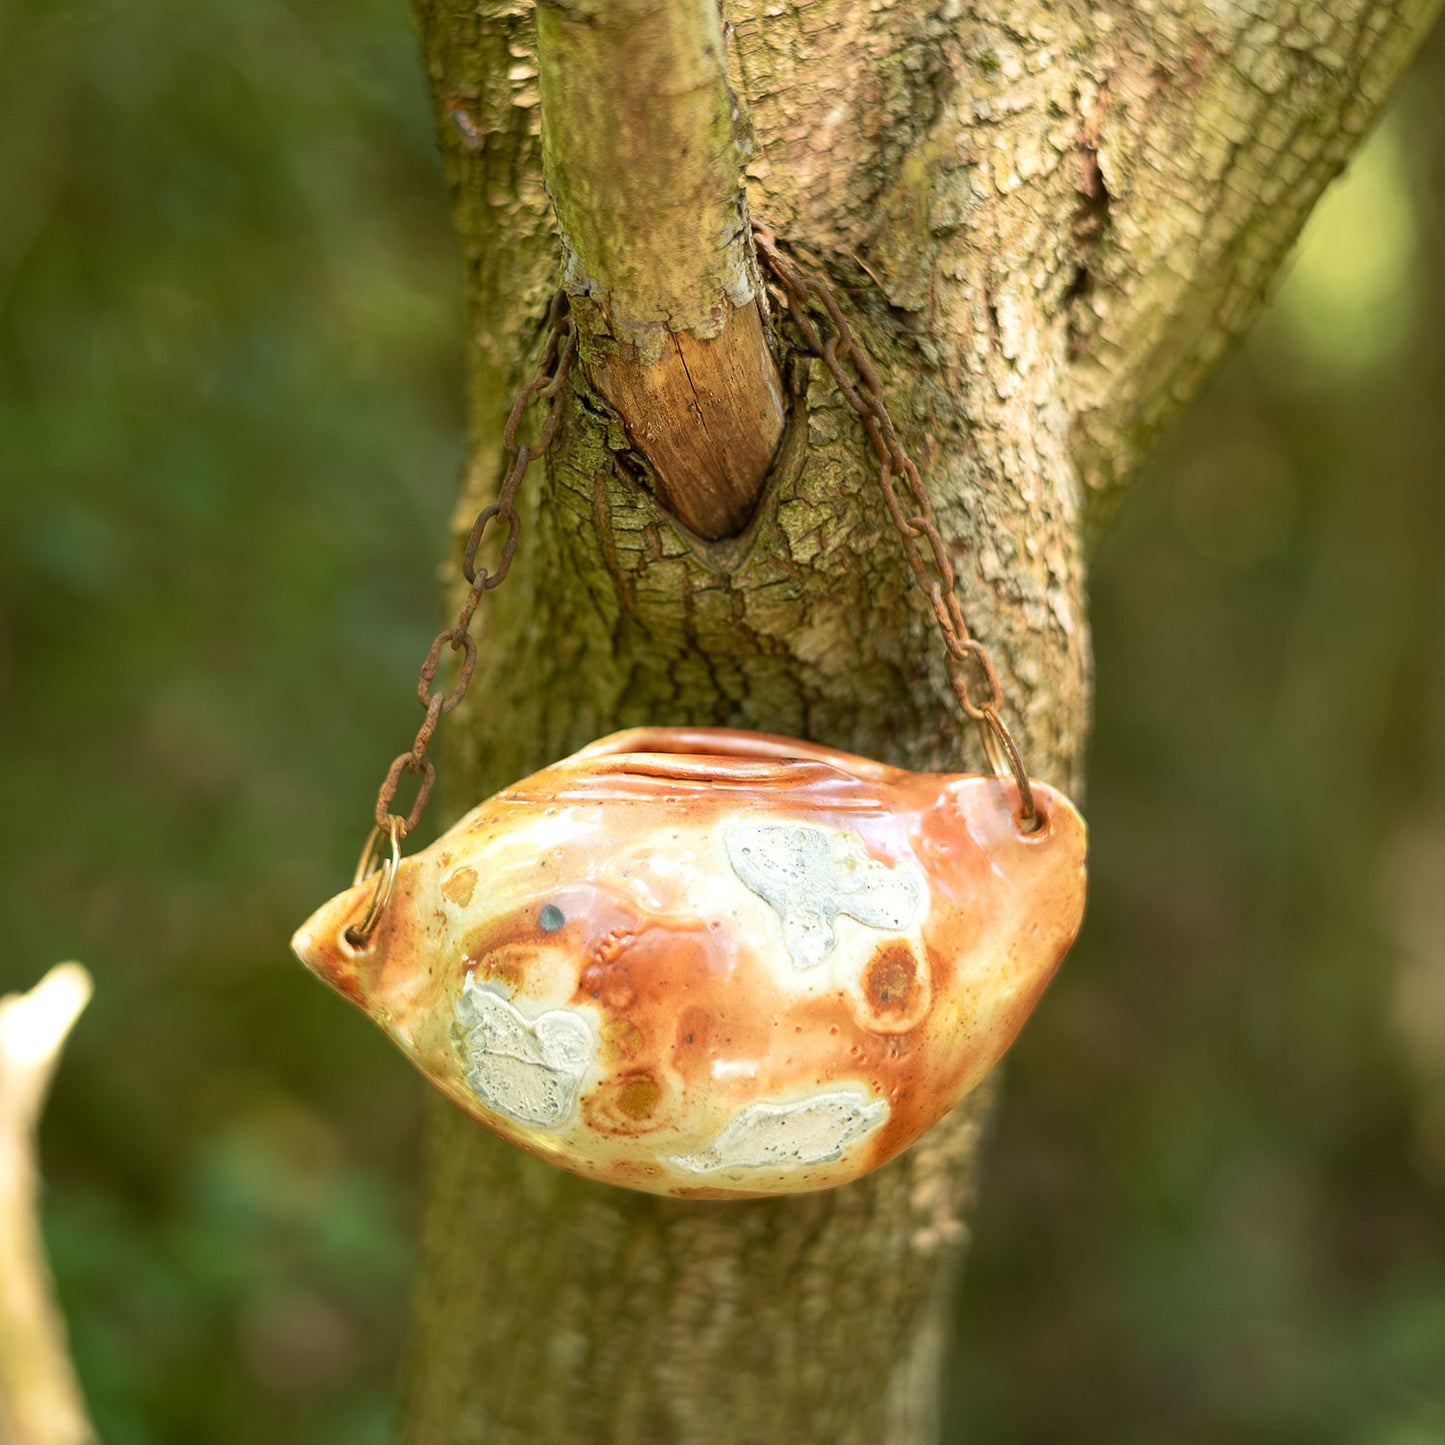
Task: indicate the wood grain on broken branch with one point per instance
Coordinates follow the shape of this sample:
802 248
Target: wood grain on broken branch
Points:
642 159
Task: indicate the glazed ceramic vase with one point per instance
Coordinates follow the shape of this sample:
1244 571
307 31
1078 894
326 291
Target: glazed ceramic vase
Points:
716 964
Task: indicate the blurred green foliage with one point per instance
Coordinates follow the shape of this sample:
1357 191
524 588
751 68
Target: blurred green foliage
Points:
230 346
230 411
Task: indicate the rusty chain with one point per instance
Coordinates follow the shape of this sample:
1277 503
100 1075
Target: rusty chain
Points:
863 392
968 662
558 354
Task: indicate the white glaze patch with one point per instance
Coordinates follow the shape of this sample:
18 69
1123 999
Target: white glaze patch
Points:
810 875
810 1131
527 1069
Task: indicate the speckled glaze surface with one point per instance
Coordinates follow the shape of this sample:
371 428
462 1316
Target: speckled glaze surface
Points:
716 964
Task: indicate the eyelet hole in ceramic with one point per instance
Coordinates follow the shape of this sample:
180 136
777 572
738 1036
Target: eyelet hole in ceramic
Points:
718 964
1040 829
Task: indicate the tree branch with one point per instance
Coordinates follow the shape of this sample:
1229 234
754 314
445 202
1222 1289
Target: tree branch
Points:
40 1400
1208 134
642 160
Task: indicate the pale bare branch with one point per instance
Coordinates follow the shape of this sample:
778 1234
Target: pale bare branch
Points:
40 1399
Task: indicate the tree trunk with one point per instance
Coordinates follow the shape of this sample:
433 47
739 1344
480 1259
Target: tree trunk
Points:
1046 225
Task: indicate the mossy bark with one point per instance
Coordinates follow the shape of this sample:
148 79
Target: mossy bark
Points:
1045 226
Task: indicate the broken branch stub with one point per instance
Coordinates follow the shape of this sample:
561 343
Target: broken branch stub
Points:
642 162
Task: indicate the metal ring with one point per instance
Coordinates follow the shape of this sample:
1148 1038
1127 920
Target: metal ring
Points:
1004 759
359 934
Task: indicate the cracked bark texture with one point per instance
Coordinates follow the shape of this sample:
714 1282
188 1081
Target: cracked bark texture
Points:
1047 222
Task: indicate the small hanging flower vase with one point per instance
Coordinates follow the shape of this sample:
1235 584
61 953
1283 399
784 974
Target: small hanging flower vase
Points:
716 964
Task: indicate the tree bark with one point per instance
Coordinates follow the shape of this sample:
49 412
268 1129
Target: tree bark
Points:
1046 225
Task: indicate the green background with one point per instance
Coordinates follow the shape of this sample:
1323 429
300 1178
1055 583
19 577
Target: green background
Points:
230 429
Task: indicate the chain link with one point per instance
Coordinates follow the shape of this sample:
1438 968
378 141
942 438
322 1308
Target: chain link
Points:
558 354
971 673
